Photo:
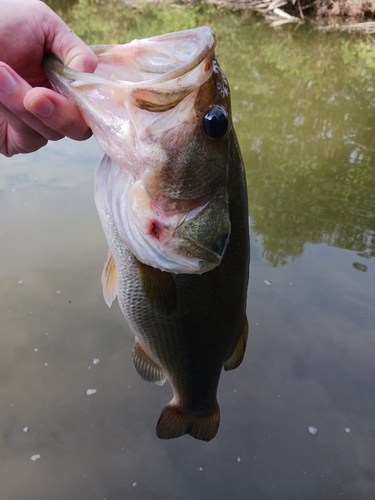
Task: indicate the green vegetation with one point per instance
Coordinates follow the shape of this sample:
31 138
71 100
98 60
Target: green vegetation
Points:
114 22
304 111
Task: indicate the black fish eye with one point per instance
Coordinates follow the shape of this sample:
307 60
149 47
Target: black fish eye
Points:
215 123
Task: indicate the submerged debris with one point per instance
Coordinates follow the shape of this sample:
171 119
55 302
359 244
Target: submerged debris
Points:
365 27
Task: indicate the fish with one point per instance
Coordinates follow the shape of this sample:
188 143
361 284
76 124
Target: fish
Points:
172 199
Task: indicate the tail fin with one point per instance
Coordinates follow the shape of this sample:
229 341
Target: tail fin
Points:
174 423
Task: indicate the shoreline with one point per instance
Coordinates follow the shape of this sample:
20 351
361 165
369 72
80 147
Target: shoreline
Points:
339 15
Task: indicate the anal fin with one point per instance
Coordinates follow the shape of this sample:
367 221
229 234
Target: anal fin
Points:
174 423
235 359
146 367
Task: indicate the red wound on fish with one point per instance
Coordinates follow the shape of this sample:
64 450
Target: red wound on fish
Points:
155 229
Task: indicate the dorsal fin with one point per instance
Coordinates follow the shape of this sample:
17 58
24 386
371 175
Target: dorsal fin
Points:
109 280
235 359
146 367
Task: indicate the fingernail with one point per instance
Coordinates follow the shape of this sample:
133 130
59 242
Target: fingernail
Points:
8 84
41 106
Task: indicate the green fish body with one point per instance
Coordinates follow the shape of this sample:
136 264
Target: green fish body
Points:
171 195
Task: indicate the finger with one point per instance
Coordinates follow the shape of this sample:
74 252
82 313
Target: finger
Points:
57 113
12 142
12 92
40 109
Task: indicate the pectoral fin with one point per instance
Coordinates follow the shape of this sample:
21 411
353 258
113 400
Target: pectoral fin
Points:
159 288
235 359
109 280
146 367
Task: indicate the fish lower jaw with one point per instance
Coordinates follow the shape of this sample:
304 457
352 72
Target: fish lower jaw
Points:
187 266
170 260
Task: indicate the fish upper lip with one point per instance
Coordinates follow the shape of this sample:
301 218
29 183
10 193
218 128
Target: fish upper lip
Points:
191 64
205 42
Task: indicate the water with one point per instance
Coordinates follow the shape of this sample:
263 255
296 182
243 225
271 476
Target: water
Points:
303 104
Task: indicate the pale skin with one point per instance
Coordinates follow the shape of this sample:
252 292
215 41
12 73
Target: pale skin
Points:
31 113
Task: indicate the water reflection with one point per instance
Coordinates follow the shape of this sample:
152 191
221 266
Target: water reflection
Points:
310 360
309 135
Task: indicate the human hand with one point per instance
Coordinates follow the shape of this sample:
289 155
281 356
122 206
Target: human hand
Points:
31 113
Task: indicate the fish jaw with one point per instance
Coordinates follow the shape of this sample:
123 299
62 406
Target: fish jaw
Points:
186 243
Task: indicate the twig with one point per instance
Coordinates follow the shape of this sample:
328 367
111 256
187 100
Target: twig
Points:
300 10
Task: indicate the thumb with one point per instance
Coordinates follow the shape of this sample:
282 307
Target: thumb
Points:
78 57
67 46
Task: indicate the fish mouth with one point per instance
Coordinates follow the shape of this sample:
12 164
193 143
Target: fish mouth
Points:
134 96
123 100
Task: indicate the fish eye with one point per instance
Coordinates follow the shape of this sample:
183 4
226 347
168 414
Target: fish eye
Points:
215 122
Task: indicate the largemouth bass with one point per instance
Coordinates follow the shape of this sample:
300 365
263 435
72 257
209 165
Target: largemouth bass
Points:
171 195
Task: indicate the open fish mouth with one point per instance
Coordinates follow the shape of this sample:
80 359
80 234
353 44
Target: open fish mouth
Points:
145 106
156 73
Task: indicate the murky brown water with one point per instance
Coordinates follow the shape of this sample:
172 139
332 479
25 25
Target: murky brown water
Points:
309 152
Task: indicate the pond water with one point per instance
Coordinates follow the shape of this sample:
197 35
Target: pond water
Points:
304 111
